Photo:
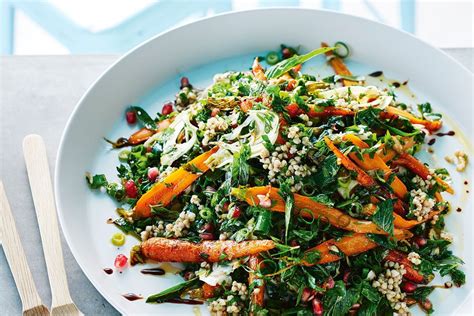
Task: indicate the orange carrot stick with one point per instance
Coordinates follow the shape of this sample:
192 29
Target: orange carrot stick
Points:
399 221
257 70
165 191
339 67
430 125
307 208
417 167
349 246
363 178
329 111
208 291
175 250
258 293
411 274
375 163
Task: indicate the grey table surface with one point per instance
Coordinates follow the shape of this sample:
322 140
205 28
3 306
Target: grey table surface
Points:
37 95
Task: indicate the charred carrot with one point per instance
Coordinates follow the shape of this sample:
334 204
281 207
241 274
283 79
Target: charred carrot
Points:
375 163
174 250
432 126
307 208
417 167
329 111
258 292
208 291
399 221
401 258
362 177
257 70
339 67
143 134
349 246
165 191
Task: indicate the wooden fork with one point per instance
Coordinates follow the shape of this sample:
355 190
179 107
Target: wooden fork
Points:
42 190
16 258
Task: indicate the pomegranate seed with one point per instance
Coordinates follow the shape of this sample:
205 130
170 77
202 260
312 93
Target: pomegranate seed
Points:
225 207
408 287
426 305
420 241
346 276
208 228
286 52
294 243
206 236
293 109
167 108
330 283
131 189
214 112
120 261
149 149
317 307
236 212
184 82
188 275
153 174
131 117
308 294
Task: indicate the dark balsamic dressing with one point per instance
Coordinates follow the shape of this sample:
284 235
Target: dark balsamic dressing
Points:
153 271
132 296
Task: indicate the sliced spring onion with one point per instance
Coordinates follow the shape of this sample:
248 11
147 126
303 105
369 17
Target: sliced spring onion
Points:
205 213
272 58
342 50
264 221
118 239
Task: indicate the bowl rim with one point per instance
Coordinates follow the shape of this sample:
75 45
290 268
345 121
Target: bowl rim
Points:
79 104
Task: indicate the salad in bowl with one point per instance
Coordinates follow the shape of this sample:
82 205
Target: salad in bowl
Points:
284 193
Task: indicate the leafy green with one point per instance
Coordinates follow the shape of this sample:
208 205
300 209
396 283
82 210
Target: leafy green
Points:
339 300
172 292
287 195
96 181
370 117
240 168
427 112
383 217
286 65
143 117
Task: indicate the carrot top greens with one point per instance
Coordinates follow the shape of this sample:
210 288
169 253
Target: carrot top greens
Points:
286 193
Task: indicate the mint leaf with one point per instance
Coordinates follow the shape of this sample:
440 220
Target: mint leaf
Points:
383 217
286 65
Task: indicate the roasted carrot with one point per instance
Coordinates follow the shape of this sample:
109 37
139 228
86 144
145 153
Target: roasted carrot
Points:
349 246
165 191
329 111
411 274
399 221
208 291
307 208
257 70
432 126
339 67
174 250
417 167
258 292
362 177
375 163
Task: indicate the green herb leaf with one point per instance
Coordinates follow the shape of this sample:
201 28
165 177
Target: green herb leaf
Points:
286 65
338 301
287 195
143 117
97 181
240 168
383 217
172 292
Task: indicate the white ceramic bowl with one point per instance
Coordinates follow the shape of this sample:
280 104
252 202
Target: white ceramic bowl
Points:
149 74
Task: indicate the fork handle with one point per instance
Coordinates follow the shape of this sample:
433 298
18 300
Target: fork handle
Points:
16 255
42 190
